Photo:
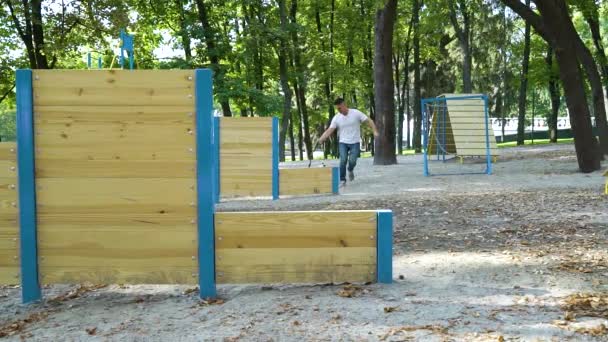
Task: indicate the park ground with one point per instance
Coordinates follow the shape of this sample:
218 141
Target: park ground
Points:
521 255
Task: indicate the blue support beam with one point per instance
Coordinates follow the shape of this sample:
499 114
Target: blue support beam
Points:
275 158
335 180
384 249
30 286
205 176
487 125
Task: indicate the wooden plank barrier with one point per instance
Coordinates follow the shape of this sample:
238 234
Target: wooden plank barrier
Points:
115 175
245 157
9 228
296 247
319 180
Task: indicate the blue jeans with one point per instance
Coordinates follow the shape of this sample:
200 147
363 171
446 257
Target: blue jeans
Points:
350 153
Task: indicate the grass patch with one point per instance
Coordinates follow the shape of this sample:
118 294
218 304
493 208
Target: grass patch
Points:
536 142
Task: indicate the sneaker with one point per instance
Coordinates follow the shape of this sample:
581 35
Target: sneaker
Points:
342 183
351 176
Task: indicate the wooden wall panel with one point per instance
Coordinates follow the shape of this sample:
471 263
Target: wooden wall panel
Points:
115 173
310 181
9 228
296 247
467 119
245 157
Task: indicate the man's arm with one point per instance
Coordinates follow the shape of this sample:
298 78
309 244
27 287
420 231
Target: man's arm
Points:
372 125
328 132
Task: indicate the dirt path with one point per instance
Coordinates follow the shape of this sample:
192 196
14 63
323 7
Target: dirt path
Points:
518 256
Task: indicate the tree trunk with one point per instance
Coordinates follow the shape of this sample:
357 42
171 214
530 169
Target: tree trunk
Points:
218 74
464 39
183 30
592 17
523 86
301 90
326 75
284 78
565 37
384 85
292 143
417 143
554 95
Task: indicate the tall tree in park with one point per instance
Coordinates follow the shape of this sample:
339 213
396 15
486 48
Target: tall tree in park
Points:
283 54
417 141
384 89
555 25
212 51
460 17
554 94
590 11
523 85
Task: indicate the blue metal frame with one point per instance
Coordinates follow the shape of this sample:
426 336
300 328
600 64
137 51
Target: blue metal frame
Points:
384 248
426 127
205 176
335 180
275 158
216 145
127 45
30 285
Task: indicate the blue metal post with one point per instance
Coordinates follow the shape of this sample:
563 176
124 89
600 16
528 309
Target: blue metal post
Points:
425 137
205 163
335 180
384 248
275 158
99 64
89 60
488 156
444 125
131 59
30 286
216 145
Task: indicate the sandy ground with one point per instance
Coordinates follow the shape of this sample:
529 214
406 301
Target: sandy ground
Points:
521 255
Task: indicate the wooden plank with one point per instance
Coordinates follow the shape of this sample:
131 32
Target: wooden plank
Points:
8 190
9 275
69 115
116 168
305 181
109 150
8 151
118 275
8 169
295 229
115 195
113 88
245 183
298 265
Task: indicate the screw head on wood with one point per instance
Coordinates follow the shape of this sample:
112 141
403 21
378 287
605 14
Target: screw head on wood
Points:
220 274
189 78
12 150
220 238
36 77
12 186
193 275
190 114
193 257
371 237
13 204
189 96
193 221
13 168
192 204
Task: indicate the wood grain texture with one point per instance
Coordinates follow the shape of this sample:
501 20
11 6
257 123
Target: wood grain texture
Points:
119 274
295 247
295 229
113 87
9 226
245 157
297 265
305 181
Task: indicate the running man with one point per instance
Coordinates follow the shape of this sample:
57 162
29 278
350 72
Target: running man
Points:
348 123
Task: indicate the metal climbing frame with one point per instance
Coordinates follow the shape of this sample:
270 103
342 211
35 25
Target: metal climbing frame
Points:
455 127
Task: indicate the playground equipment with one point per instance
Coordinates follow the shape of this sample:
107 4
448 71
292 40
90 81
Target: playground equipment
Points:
248 155
606 186
457 126
117 177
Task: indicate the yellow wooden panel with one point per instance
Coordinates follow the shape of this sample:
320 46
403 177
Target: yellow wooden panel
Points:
467 120
295 229
69 115
115 195
8 169
254 130
117 168
9 275
295 265
118 274
245 183
8 189
114 150
8 151
113 88
305 181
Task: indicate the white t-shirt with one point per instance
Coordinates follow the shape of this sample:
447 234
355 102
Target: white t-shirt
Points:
349 126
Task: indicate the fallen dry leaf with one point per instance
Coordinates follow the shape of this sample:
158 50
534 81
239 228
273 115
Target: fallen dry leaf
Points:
211 301
296 323
191 290
18 326
349 291
389 309
434 328
91 331
77 292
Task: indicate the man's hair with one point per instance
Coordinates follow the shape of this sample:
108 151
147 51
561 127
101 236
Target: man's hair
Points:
339 101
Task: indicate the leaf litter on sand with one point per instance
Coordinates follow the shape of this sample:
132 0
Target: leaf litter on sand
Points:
437 329
76 292
15 327
585 305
